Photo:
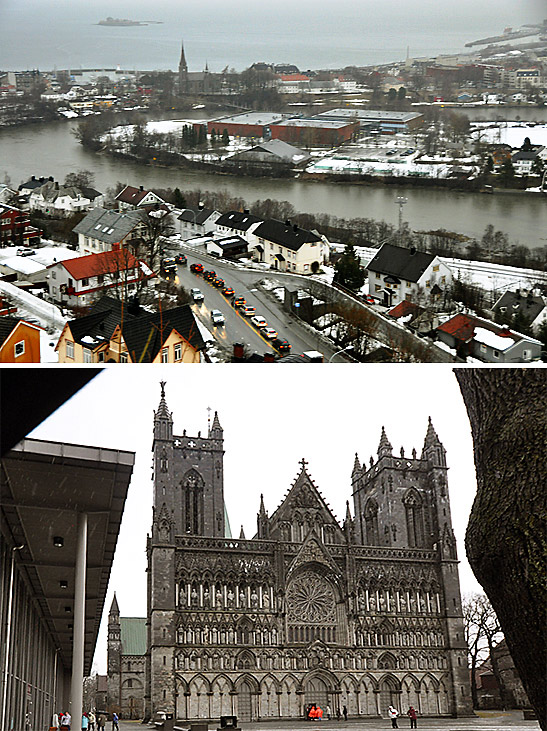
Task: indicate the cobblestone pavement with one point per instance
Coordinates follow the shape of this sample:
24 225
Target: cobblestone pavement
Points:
483 721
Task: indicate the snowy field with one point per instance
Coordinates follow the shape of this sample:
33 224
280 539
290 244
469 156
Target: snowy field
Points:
510 133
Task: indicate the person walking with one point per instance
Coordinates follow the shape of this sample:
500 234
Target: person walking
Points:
338 714
101 721
55 722
393 713
319 713
345 713
66 721
413 715
328 712
85 722
91 718
115 722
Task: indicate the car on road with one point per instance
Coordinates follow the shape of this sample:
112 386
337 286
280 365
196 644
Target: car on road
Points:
240 302
259 321
197 295
181 259
248 310
209 275
196 268
282 346
169 264
228 292
25 252
269 332
217 318
391 152
218 283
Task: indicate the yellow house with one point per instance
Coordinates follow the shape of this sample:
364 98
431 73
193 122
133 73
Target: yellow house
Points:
116 332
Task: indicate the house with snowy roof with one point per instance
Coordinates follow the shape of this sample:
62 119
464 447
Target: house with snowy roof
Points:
522 306
238 223
106 230
80 281
113 332
195 221
472 336
396 274
56 199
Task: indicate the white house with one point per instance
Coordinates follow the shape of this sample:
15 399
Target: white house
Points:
130 198
61 200
198 221
80 281
396 274
237 223
288 247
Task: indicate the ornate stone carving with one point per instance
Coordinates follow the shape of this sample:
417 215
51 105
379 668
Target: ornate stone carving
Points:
310 599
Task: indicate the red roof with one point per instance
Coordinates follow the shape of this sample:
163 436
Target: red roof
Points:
132 195
294 77
405 308
107 262
461 326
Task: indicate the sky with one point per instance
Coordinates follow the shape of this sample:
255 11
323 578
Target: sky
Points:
272 417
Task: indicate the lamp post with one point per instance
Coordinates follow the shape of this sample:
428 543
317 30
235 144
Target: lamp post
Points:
348 347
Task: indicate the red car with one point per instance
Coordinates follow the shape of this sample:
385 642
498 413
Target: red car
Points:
228 292
196 268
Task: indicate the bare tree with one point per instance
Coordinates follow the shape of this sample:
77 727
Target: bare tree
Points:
506 539
482 634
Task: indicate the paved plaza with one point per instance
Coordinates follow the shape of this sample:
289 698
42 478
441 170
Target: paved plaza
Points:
483 721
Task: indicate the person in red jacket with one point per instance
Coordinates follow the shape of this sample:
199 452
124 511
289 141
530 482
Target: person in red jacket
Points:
413 715
319 713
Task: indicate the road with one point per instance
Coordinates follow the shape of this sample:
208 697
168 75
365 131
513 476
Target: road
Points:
238 328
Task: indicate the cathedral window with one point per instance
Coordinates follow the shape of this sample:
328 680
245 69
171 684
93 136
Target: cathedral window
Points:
414 518
371 523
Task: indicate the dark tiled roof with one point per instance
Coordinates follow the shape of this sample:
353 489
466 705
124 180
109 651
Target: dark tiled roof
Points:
528 306
237 220
196 215
397 261
132 195
108 226
405 308
144 332
231 242
7 325
287 235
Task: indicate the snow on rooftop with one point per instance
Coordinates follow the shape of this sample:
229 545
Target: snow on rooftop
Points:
511 133
45 312
487 337
22 264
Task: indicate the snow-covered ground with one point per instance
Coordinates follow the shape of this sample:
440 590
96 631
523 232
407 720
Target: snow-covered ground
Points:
339 164
510 133
46 314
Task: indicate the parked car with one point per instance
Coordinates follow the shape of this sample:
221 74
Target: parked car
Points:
197 295
269 332
209 275
25 252
169 264
240 302
259 321
248 310
283 347
228 292
181 259
196 268
217 318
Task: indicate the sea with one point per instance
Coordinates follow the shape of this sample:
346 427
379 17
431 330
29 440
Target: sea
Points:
312 34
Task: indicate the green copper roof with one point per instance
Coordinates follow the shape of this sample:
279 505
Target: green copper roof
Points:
133 635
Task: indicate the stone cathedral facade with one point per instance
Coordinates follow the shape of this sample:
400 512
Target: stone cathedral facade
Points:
363 614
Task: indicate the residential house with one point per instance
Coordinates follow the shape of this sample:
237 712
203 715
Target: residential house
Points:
397 274
61 200
472 336
288 247
7 195
116 332
522 306
15 228
197 221
523 160
130 198
105 230
19 341
231 247
414 317
80 281
25 189
237 223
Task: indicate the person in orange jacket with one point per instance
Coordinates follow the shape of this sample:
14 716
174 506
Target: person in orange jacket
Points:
319 713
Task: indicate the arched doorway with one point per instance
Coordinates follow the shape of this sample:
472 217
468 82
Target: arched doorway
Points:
316 692
389 694
244 703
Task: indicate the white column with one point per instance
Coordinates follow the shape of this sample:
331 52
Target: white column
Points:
76 690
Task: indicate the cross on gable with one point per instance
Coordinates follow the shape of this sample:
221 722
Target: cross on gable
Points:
303 463
191 444
162 384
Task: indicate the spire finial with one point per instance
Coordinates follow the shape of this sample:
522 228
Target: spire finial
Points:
162 384
303 463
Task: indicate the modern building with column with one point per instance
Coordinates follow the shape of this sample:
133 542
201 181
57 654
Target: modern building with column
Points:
61 510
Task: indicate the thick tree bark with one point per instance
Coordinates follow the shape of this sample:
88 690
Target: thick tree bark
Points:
506 535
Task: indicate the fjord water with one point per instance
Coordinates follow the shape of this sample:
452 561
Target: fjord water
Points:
310 33
52 149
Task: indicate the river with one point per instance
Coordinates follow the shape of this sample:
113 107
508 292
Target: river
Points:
52 149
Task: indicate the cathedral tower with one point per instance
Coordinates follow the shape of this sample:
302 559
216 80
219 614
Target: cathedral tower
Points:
114 655
183 71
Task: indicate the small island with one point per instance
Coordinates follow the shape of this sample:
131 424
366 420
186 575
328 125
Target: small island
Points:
120 22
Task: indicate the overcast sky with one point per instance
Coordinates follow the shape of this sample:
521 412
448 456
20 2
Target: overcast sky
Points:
272 417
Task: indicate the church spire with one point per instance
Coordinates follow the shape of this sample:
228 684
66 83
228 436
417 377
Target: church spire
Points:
183 66
262 520
163 420
356 465
433 448
384 448
114 608
216 431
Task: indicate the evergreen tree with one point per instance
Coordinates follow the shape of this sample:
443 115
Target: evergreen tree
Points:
507 173
202 136
348 271
225 138
213 137
179 200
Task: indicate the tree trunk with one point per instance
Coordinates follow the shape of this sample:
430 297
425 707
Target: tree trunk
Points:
506 538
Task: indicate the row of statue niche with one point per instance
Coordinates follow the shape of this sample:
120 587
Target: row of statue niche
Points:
225 596
399 638
226 636
403 601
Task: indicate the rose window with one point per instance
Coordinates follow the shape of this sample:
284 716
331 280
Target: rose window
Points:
310 598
